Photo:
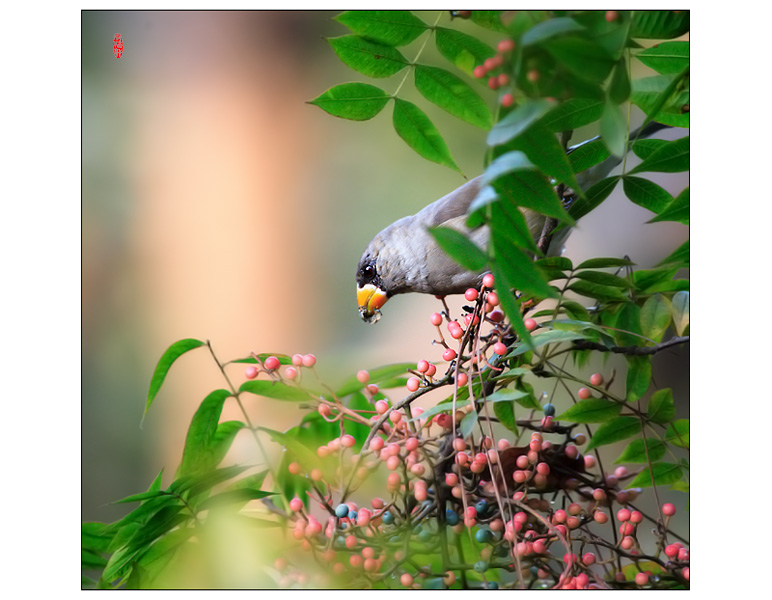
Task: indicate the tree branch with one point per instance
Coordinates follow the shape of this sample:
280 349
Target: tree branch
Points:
631 350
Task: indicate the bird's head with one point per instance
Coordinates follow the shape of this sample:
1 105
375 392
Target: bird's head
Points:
371 295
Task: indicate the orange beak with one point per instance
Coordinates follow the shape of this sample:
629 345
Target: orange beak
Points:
370 300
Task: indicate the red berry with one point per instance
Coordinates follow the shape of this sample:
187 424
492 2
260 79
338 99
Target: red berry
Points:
685 573
588 558
503 79
406 580
431 370
506 46
436 319
471 294
493 82
480 71
623 514
584 393
612 15
496 316
309 360
422 366
668 509
488 280
294 468
449 354
271 363
462 379
489 64
413 383
640 578
363 376
596 379
456 332
636 517
251 372
500 348
600 517
530 324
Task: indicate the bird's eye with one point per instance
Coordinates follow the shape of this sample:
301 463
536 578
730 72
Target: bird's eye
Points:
368 271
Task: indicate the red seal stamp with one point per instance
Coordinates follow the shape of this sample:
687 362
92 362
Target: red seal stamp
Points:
118 45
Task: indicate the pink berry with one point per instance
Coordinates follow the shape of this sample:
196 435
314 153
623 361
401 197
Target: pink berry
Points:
685 573
598 493
251 372
422 366
436 319
506 46
372 388
363 376
671 550
471 294
456 332
640 578
290 373
627 542
317 475
431 370
463 378
500 348
406 579
347 441
449 354
297 359
295 504
530 324
683 554
600 517
668 509
560 516
381 406
620 472
596 379
626 529
611 16
271 363
444 421
584 393
488 280
503 80
636 517
309 360
623 514
489 64
543 469
588 558
480 71
572 451
324 410
294 468
376 444
413 383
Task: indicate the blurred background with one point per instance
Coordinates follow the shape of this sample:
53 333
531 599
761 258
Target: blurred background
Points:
217 204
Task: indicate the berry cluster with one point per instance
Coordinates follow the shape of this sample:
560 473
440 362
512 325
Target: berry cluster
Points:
494 64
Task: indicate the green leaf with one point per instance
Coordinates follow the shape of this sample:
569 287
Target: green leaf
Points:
516 122
638 377
275 389
198 454
505 413
593 197
581 56
591 410
390 27
283 359
613 129
511 306
603 293
462 50
671 157
369 58
615 430
549 29
294 446
354 101
520 269
515 178
666 58
603 278
490 19
544 150
588 154
413 126
661 406
646 193
656 313
659 24
377 375
680 256
468 423
662 98
562 263
172 353
603 263
680 303
636 451
628 324
237 496
619 88
452 95
459 247
646 280
661 473
677 433
576 310
647 146
572 114
677 210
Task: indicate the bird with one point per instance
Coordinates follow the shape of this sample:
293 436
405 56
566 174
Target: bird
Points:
405 258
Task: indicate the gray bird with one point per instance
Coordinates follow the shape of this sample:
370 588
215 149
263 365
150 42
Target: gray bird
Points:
404 257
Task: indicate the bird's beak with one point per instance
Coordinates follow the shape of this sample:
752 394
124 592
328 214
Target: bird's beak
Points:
370 300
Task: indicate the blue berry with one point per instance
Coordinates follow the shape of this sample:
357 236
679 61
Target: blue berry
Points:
388 518
483 536
341 511
481 566
549 409
482 507
451 517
